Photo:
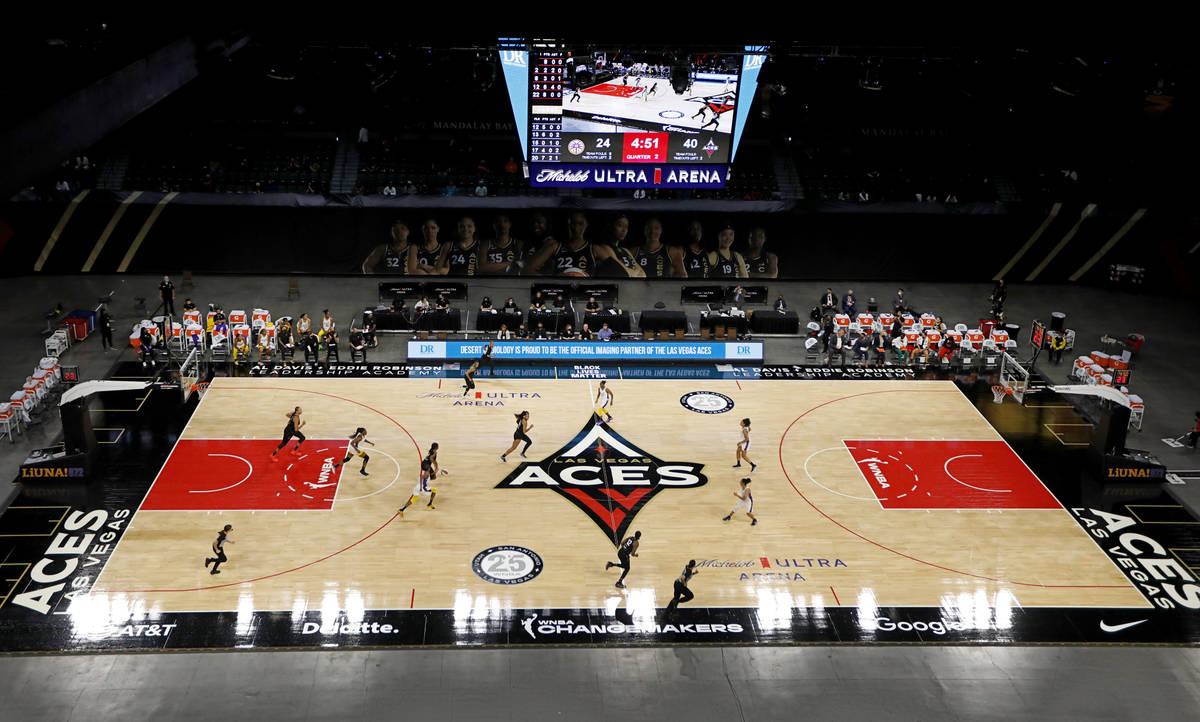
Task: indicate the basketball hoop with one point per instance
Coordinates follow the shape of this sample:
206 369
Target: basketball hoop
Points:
200 388
999 392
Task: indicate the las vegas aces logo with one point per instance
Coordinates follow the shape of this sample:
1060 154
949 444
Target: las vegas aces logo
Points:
606 476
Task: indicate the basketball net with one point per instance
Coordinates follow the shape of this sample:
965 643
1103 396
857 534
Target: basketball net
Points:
999 392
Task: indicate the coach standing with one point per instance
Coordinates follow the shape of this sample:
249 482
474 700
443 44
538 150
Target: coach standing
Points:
218 547
166 294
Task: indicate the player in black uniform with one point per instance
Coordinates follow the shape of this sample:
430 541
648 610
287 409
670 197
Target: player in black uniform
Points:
624 255
540 237
682 593
293 427
424 259
695 258
462 259
521 434
486 358
390 257
574 94
655 259
218 547
715 122
503 254
702 111
627 549
760 263
469 377
726 262
576 257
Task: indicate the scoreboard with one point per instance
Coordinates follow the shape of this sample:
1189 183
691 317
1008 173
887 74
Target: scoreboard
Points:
631 124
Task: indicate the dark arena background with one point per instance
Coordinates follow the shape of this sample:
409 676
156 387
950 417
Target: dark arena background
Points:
659 377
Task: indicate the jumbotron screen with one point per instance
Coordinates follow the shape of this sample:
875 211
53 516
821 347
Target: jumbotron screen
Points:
618 108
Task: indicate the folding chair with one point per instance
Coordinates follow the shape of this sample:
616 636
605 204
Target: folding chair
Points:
293 288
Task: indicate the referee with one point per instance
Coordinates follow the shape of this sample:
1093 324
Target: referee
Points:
627 549
682 593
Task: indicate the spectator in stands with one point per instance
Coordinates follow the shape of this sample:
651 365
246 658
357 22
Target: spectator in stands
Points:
726 262
897 329
327 324
146 347
389 190
585 333
920 348
504 334
780 304
899 302
393 255
605 333
485 306
511 166
421 307
481 189
592 305
105 325
540 333
304 325
283 334
829 302
862 346
737 297
880 344
265 347
442 303
370 328
522 332
836 347
400 306
510 306
424 259
502 255
241 349
538 304
850 304
358 342
220 326
760 262
410 189
947 349
189 305
166 294
568 333
560 303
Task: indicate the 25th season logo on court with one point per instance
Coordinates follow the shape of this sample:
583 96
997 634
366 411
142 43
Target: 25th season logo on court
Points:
605 476
706 402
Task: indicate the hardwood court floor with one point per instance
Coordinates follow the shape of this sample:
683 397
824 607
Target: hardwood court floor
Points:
869 494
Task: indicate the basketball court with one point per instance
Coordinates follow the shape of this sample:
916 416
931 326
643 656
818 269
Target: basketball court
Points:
876 501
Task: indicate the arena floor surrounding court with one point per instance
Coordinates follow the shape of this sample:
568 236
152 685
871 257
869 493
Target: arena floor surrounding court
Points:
889 510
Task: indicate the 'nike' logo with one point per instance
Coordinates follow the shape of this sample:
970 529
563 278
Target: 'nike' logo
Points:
1119 627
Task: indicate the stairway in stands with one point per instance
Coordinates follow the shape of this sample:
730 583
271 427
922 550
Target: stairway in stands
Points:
786 175
112 176
345 169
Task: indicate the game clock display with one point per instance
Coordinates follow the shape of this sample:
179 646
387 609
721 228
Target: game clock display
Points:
642 148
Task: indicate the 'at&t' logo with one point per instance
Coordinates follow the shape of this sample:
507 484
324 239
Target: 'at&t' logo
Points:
606 476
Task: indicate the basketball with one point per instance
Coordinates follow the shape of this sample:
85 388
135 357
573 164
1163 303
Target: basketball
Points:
575 272
445 472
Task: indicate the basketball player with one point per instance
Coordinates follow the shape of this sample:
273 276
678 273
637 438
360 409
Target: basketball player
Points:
623 254
294 424
360 436
393 255
604 402
682 593
422 487
469 377
726 262
653 90
702 111
627 549
503 254
576 257
218 547
520 434
424 259
655 259
486 358
715 122
574 95
462 259
760 263
695 258
745 501
744 446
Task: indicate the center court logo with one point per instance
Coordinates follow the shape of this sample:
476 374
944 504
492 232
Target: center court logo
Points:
507 564
706 402
545 626
605 476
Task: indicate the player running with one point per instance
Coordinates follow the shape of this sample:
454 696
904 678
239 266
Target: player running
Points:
359 437
520 434
745 501
744 446
469 377
604 401
627 549
423 486
295 423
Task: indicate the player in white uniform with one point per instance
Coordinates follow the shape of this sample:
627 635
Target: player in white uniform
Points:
604 402
423 486
745 501
744 446
360 436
